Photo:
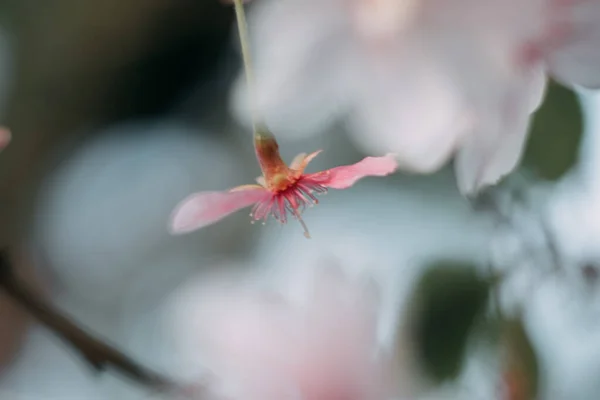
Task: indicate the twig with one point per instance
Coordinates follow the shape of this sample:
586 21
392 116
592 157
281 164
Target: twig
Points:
97 353
257 121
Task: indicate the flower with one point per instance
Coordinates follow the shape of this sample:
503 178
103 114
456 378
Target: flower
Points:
5 137
260 342
425 79
280 190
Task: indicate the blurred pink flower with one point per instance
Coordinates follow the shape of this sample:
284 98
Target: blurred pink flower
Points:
280 190
261 346
5 137
426 79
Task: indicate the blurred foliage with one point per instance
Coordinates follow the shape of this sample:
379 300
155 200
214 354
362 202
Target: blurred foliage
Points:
521 369
553 144
448 303
80 66
117 60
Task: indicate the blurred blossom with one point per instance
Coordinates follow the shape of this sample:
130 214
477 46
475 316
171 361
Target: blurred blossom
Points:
573 211
144 327
423 79
258 343
103 216
553 284
5 137
522 246
566 337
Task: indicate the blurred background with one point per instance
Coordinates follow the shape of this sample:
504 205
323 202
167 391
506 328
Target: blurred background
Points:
120 109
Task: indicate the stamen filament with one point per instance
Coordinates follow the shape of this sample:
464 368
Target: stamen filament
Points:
299 218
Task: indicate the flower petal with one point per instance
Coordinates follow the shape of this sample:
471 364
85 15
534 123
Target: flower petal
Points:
261 181
495 148
297 161
409 106
205 208
578 60
309 158
302 160
266 345
538 84
490 154
247 187
345 176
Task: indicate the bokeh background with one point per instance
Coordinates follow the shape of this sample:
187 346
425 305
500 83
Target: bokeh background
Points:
121 110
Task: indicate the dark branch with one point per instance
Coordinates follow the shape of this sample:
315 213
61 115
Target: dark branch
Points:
97 353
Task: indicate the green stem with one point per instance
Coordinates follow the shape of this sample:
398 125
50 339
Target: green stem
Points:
258 125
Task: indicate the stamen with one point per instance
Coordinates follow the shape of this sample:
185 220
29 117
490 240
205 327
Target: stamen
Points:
281 209
309 192
299 218
302 197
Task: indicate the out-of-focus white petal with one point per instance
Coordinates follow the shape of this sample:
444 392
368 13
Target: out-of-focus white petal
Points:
577 60
492 152
302 62
501 88
497 142
410 108
536 89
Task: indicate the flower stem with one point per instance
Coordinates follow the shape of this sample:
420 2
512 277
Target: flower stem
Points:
258 125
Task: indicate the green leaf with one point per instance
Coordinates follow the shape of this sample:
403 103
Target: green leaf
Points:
553 143
448 302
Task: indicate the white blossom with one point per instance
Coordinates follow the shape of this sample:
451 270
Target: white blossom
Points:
425 79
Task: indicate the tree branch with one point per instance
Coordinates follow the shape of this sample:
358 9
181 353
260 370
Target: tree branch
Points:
97 353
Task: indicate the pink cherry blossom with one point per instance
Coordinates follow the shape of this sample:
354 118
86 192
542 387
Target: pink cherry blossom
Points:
425 79
5 137
259 344
282 190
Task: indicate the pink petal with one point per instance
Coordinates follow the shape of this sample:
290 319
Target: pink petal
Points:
345 176
205 208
